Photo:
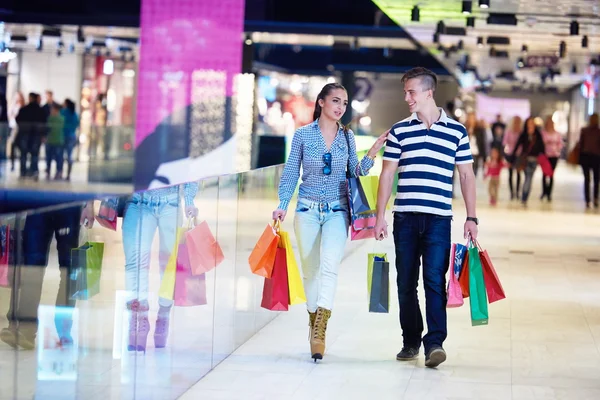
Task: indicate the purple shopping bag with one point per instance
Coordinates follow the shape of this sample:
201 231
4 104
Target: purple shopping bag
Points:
190 290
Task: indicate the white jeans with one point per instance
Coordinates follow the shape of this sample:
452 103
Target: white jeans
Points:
321 231
143 215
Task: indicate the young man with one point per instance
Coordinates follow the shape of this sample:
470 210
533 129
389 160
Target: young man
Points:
424 148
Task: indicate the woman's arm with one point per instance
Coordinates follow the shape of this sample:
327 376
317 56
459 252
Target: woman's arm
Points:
291 172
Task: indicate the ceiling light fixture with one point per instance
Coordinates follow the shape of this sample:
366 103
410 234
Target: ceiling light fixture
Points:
436 37
524 48
562 50
471 22
480 42
574 28
467 7
415 15
520 62
484 3
441 27
585 42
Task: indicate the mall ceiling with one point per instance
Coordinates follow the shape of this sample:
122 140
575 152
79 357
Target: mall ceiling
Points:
509 34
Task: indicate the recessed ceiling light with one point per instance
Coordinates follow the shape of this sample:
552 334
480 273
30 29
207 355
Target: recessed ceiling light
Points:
484 3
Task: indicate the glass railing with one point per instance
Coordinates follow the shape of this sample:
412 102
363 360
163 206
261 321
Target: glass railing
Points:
119 313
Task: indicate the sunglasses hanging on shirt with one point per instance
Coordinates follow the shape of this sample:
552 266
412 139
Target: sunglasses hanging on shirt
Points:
327 162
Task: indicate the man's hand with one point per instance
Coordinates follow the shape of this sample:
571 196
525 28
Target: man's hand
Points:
191 211
471 230
87 215
279 214
381 231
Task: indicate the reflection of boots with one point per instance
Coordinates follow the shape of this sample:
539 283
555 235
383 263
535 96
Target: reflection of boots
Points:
69 167
317 340
139 327
161 330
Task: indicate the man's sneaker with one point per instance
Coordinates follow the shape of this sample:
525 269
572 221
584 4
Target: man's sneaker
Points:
407 354
435 357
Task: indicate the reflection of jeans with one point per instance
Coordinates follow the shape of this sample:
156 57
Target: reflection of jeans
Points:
419 235
143 215
37 237
321 230
29 145
529 171
54 153
68 148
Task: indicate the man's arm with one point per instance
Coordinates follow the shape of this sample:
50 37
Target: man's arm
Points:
468 189
386 180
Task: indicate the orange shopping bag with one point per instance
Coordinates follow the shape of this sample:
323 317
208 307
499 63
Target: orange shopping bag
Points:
262 258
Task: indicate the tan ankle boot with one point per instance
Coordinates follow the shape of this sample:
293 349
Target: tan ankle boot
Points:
311 323
317 339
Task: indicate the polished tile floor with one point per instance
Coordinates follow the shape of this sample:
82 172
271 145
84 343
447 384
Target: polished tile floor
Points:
542 342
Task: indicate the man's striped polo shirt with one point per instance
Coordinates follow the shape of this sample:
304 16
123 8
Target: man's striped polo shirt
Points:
426 160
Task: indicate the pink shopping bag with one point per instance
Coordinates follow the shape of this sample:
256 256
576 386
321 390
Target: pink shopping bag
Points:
4 255
362 228
455 296
203 249
190 289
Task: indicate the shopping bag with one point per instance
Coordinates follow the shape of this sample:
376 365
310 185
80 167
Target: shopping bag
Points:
86 270
545 165
463 278
295 284
455 297
379 285
370 260
493 286
5 250
203 249
574 154
107 215
262 258
190 289
363 227
275 290
357 199
167 283
370 186
477 298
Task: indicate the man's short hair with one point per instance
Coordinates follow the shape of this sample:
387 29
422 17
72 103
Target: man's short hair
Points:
50 92
428 78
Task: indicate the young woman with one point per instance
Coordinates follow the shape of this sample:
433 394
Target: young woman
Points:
509 142
553 142
530 145
322 213
70 133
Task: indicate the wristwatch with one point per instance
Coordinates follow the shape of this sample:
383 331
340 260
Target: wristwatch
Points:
473 219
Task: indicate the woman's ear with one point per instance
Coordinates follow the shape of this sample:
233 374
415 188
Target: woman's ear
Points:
321 102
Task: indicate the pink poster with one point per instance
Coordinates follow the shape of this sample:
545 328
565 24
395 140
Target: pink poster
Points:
489 107
191 52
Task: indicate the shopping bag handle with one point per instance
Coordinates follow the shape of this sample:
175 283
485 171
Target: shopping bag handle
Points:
277 225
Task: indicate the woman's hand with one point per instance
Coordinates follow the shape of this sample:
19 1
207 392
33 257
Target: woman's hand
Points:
279 214
379 143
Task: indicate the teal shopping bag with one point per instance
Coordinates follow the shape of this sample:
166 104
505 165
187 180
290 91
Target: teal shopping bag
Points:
477 294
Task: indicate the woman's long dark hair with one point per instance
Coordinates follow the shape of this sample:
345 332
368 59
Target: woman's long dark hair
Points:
536 130
324 93
70 106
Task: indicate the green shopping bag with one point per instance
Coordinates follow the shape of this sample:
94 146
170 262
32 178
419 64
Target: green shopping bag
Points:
86 270
370 186
477 294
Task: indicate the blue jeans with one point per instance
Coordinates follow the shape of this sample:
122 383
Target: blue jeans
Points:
68 149
321 231
425 236
40 229
54 152
144 214
529 171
